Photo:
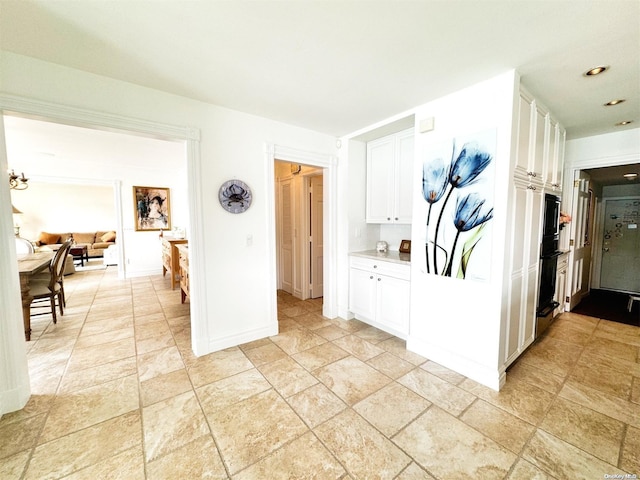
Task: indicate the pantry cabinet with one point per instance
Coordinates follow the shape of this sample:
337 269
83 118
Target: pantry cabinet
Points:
389 178
561 283
379 294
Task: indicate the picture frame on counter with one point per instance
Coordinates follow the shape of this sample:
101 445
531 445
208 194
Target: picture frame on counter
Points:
405 246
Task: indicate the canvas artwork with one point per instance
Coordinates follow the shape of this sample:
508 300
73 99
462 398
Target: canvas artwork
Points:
151 206
458 186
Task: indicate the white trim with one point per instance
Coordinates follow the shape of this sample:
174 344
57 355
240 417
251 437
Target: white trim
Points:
329 164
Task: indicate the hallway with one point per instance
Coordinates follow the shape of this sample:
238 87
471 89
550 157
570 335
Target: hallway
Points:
117 393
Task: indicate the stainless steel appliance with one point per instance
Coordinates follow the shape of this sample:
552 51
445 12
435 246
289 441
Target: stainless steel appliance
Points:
549 254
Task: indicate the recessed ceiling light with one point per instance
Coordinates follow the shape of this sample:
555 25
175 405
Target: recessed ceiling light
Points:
630 176
595 71
614 102
626 122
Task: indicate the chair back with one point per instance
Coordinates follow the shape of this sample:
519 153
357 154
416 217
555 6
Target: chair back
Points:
24 246
56 267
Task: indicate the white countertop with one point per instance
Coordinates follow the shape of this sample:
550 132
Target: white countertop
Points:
390 256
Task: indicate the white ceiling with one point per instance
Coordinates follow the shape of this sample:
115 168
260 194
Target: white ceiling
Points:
338 66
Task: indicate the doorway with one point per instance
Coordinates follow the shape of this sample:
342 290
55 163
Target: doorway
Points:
299 229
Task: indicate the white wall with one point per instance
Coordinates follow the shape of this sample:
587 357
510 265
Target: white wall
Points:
238 277
456 322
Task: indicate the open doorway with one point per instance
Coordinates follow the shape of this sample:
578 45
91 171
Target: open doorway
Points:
299 229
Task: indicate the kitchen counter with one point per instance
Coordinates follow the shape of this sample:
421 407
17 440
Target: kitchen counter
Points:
390 256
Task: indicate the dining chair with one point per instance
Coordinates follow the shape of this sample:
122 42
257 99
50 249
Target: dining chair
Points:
24 246
52 288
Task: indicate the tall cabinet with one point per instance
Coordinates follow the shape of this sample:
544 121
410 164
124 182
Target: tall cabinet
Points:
538 158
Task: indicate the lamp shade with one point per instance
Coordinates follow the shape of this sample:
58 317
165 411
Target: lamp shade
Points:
16 211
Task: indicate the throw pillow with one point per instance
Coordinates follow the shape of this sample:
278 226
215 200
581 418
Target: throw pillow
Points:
87 238
109 237
49 238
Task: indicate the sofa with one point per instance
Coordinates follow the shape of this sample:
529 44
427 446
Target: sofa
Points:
96 242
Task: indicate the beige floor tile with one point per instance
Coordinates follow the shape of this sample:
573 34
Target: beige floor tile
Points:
571 331
83 358
381 408
164 386
153 329
491 421
287 463
86 447
81 379
630 459
414 472
351 379
11 468
630 338
605 379
552 355
443 372
608 362
196 460
564 461
297 340
364 451
398 347
312 321
521 399
350 326
526 470
89 340
19 435
331 332
266 353
588 430
320 356
171 424
358 347
159 362
614 407
128 464
223 393
154 343
612 348
287 376
249 430
316 404
390 365
522 372
83 408
218 365
438 391
635 390
449 448
373 335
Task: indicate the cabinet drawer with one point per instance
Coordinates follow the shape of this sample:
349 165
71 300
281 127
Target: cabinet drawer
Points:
563 261
382 267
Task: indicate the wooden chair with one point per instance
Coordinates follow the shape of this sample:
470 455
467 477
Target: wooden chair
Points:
52 287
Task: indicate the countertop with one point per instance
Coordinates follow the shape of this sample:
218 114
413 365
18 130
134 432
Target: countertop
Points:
389 256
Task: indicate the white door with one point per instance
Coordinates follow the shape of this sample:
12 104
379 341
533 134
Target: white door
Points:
621 246
286 237
316 245
581 239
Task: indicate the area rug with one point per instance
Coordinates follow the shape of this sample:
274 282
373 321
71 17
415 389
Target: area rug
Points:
610 306
91 265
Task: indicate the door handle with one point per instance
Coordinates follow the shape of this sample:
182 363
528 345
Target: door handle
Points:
605 249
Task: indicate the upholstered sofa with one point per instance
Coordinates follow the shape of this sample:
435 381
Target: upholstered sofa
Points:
96 242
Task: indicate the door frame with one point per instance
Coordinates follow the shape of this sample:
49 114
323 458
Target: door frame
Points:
329 164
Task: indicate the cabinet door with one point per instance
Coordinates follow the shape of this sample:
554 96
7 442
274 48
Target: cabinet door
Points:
362 293
532 263
525 112
403 178
552 153
559 160
540 144
380 180
392 305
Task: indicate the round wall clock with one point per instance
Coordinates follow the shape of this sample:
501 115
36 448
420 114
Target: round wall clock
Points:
235 196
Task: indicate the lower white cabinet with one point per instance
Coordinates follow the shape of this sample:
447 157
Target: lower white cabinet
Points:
379 294
561 283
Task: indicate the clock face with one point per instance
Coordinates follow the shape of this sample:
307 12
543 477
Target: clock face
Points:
235 196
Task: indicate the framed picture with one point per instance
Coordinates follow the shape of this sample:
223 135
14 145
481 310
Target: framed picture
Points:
405 246
152 208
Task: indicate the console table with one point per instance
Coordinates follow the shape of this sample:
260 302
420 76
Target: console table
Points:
171 258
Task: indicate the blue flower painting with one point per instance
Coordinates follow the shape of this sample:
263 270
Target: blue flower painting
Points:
457 185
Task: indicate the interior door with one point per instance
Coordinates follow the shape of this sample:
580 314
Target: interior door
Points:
316 245
580 238
286 237
621 246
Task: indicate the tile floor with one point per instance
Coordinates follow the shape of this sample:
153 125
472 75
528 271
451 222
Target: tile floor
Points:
117 394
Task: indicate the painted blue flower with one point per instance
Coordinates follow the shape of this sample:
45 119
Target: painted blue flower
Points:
470 212
434 180
469 164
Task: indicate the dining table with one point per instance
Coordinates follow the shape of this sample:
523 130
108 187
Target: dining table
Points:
28 266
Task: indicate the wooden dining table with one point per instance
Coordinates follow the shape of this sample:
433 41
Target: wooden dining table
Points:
28 266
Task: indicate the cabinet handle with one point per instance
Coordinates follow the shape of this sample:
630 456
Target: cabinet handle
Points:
375 266
371 277
531 174
531 187
389 218
379 279
396 219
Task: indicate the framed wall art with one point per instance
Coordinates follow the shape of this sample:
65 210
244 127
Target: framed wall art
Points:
152 208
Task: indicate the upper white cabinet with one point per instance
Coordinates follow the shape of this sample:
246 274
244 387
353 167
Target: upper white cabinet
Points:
389 178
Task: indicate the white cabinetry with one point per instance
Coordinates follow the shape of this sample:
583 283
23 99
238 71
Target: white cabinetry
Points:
389 178
561 283
379 294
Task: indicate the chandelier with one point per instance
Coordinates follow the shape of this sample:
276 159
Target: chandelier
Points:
16 182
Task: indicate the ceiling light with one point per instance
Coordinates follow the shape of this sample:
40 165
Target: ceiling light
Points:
596 71
630 176
614 102
626 122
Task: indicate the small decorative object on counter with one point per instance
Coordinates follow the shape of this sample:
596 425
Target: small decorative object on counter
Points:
382 246
405 246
